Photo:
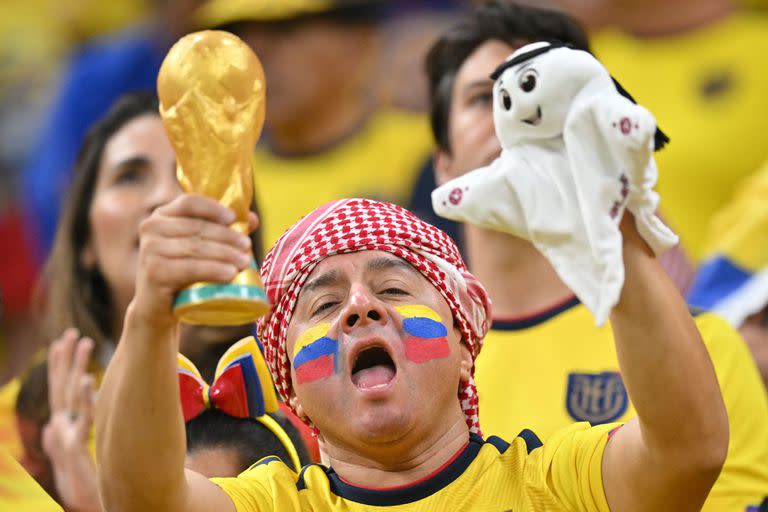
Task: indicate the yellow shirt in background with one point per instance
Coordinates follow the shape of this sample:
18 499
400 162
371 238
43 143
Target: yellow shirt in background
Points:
708 90
9 435
381 161
548 371
490 475
18 490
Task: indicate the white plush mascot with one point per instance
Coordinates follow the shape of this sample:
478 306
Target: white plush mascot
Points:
576 152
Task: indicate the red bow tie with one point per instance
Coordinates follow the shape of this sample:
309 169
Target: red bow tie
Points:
242 387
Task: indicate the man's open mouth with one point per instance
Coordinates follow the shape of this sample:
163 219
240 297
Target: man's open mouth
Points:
373 368
534 119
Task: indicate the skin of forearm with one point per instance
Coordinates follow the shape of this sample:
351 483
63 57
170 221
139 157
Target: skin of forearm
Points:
664 363
144 449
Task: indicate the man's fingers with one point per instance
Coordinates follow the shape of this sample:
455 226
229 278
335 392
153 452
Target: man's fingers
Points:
253 222
176 274
194 205
59 360
186 248
199 229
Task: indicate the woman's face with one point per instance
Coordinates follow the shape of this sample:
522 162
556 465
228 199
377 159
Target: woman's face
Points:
137 173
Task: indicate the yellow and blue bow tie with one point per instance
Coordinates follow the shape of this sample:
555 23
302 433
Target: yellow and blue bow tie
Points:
242 388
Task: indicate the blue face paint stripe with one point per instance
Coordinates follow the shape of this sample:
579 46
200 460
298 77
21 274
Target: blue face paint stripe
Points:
424 328
322 347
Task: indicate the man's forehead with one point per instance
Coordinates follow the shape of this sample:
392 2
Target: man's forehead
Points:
482 61
337 266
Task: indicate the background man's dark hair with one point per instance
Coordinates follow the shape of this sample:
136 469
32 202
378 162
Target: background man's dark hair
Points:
247 437
508 22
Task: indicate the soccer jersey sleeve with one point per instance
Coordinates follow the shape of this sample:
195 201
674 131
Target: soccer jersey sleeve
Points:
570 465
269 485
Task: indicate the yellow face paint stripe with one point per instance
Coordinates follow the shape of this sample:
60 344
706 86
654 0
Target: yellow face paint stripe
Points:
416 310
310 335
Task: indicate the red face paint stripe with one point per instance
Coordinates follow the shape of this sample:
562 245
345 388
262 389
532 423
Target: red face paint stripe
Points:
315 369
420 350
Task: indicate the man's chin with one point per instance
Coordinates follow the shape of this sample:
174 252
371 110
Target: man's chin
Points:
382 425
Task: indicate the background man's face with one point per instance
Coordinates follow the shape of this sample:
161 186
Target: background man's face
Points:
470 132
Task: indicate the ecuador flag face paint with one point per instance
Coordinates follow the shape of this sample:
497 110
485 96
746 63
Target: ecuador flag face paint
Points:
427 335
315 354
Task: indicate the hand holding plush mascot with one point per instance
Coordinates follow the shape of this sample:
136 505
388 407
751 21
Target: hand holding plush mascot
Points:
576 152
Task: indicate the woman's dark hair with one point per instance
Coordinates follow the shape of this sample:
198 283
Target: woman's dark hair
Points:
77 296
500 20
247 437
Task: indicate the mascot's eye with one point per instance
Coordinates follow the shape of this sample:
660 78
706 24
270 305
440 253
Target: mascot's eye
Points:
528 81
506 100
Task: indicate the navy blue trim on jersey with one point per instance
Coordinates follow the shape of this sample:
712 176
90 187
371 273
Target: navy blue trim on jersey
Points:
535 319
499 443
265 460
300 483
410 493
532 441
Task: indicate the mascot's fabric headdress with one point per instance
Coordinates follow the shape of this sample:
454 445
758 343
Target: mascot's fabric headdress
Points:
660 138
242 388
352 225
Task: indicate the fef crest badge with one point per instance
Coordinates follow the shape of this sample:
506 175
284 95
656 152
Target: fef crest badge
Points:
596 397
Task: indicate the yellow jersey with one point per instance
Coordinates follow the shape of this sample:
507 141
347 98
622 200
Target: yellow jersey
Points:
555 368
486 475
707 89
380 161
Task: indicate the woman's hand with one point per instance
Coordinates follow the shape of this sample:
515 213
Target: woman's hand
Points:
71 395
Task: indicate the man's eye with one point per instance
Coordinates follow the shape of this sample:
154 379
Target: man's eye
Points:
322 307
482 99
394 291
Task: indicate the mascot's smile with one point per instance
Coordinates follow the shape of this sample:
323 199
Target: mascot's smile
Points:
534 119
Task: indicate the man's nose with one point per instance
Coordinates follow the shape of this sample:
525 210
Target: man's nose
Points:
362 309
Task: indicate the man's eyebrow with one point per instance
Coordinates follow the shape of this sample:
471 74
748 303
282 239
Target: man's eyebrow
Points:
325 279
478 84
385 263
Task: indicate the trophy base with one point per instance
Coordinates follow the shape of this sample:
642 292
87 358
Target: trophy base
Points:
220 304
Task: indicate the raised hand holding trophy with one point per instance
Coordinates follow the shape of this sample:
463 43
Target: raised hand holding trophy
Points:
211 90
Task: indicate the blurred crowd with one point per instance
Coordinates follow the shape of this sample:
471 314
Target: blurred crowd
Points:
352 112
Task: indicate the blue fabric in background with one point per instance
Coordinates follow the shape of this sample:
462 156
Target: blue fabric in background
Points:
98 74
715 280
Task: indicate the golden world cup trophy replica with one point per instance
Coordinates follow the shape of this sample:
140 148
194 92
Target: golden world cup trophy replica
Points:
211 89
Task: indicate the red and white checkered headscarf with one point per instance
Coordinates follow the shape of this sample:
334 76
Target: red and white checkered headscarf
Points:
352 225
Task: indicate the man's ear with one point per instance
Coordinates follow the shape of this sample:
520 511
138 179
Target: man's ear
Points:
442 166
465 370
